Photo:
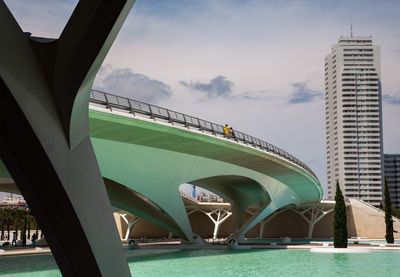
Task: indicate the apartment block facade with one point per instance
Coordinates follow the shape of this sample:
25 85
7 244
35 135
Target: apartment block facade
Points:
353 104
392 174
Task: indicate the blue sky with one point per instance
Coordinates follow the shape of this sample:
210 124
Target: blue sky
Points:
257 65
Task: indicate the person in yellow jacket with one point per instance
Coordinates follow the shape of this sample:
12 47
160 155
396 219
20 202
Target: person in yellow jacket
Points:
226 131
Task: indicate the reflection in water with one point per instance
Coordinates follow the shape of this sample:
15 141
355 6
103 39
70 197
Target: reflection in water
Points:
341 263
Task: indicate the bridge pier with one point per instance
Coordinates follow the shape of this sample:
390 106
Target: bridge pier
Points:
281 198
44 138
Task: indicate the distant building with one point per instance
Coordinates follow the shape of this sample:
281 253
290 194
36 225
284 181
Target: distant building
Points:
14 202
209 197
392 174
354 119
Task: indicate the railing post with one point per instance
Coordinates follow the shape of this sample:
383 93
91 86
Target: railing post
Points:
169 118
130 107
151 113
200 128
108 105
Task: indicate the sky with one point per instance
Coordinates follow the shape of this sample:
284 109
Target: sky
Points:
256 65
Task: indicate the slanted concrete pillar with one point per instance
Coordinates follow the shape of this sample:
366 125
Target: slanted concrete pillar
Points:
44 134
281 198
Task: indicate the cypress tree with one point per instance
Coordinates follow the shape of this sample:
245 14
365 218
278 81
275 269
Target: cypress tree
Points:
388 215
340 220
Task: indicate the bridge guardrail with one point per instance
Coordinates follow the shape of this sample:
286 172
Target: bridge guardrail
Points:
188 196
134 106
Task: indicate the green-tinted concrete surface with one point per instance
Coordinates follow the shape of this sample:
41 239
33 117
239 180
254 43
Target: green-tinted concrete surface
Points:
154 159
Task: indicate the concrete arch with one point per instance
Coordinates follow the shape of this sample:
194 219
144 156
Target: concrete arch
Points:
121 198
131 201
242 192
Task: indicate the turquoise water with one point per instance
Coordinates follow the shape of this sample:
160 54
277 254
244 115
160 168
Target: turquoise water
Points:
231 263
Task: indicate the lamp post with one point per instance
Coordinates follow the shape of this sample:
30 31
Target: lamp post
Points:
24 227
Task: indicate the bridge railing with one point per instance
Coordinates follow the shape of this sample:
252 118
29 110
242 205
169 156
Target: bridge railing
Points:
134 106
188 196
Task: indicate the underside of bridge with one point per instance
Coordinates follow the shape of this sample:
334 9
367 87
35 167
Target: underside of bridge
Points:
241 192
136 204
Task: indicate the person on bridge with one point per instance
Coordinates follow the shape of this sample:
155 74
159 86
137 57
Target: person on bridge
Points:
231 133
226 131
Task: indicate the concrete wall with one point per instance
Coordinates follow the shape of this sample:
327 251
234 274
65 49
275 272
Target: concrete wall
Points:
203 226
143 228
362 221
368 222
286 224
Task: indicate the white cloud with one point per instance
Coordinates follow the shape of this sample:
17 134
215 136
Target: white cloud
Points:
392 99
303 94
125 82
219 86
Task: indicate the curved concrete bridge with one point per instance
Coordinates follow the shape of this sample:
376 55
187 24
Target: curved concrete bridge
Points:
148 151
145 153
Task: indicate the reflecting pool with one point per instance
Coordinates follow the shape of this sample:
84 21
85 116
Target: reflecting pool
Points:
231 263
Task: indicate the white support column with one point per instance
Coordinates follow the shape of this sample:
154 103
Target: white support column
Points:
130 223
312 216
220 216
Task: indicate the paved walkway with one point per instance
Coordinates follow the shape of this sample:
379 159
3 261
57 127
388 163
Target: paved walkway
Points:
170 246
16 251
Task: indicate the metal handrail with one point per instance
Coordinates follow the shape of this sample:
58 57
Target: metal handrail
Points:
188 196
134 106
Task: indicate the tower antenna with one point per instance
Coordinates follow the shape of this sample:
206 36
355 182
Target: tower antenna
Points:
351 30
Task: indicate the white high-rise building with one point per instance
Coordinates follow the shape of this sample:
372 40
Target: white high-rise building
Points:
354 119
